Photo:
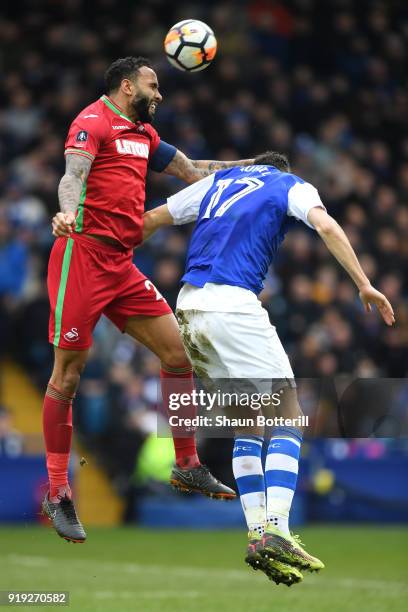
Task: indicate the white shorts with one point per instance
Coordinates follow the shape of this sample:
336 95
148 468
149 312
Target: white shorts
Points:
234 345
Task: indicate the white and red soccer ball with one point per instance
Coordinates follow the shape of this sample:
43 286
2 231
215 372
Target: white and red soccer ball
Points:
190 45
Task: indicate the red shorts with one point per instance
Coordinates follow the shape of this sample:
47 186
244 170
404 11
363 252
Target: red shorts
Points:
88 278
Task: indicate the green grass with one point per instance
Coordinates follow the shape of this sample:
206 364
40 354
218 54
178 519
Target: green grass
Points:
131 569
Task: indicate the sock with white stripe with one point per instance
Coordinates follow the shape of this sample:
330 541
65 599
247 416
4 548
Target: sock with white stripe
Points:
248 472
281 470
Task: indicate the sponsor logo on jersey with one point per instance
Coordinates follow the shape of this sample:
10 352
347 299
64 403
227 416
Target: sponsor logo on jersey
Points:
129 147
82 136
72 335
120 127
90 116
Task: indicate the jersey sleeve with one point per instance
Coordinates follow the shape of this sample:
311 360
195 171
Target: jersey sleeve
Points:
184 206
162 156
85 136
301 198
154 139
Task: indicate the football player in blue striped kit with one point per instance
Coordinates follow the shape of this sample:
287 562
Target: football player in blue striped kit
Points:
242 216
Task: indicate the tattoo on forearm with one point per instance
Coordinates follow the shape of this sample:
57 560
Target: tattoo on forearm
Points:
69 190
206 167
191 171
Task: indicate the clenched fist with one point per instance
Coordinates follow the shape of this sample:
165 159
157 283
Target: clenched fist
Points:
63 224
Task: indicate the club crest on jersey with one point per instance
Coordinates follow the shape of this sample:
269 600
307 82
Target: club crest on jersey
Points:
129 147
72 335
82 136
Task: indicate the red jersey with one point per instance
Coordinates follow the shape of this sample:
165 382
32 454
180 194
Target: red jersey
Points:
113 197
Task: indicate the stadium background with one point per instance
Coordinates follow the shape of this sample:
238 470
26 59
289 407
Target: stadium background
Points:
324 82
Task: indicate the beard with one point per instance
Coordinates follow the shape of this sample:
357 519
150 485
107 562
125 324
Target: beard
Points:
141 106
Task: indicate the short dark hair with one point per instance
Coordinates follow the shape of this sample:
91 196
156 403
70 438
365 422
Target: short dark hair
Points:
123 68
273 158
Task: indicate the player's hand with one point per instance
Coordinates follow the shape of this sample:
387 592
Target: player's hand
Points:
63 224
369 295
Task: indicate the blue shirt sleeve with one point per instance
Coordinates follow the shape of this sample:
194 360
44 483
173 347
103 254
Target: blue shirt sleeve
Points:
162 156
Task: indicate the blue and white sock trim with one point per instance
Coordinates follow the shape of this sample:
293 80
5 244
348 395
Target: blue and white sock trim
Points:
248 472
281 472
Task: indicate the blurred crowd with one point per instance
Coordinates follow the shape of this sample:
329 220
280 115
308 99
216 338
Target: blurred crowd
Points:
324 82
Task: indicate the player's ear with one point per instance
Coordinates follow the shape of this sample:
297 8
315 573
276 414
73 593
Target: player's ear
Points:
127 87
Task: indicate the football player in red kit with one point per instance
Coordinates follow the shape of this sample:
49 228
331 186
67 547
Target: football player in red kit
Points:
109 148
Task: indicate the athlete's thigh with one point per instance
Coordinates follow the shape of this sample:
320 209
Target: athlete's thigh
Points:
203 340
74 290
137 308
232 344
160 334
218 340
204 337
252 347
235 345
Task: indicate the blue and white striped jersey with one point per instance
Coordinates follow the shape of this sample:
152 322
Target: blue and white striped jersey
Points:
242 215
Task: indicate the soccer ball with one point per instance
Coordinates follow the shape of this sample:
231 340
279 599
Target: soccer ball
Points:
190 45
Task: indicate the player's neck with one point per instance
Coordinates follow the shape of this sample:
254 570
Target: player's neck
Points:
120 101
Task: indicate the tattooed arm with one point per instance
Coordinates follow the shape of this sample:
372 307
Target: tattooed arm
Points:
69 191
191 171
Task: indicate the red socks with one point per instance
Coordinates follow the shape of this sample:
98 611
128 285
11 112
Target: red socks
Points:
57 427
178 381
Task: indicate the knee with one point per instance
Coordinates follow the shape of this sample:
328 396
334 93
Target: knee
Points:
67 378
70 382
241 432
175 357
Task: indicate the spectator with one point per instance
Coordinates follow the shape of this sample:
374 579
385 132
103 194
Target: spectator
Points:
13 271
11 442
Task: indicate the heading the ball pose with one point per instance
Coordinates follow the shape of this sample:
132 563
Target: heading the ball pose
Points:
242 216
109 148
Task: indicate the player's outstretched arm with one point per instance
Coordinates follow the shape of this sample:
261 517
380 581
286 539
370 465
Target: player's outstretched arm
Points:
191 171
339 245
77 168
182 207
155 218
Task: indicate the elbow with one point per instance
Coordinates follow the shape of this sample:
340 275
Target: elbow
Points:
192 173
326 227
192 177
